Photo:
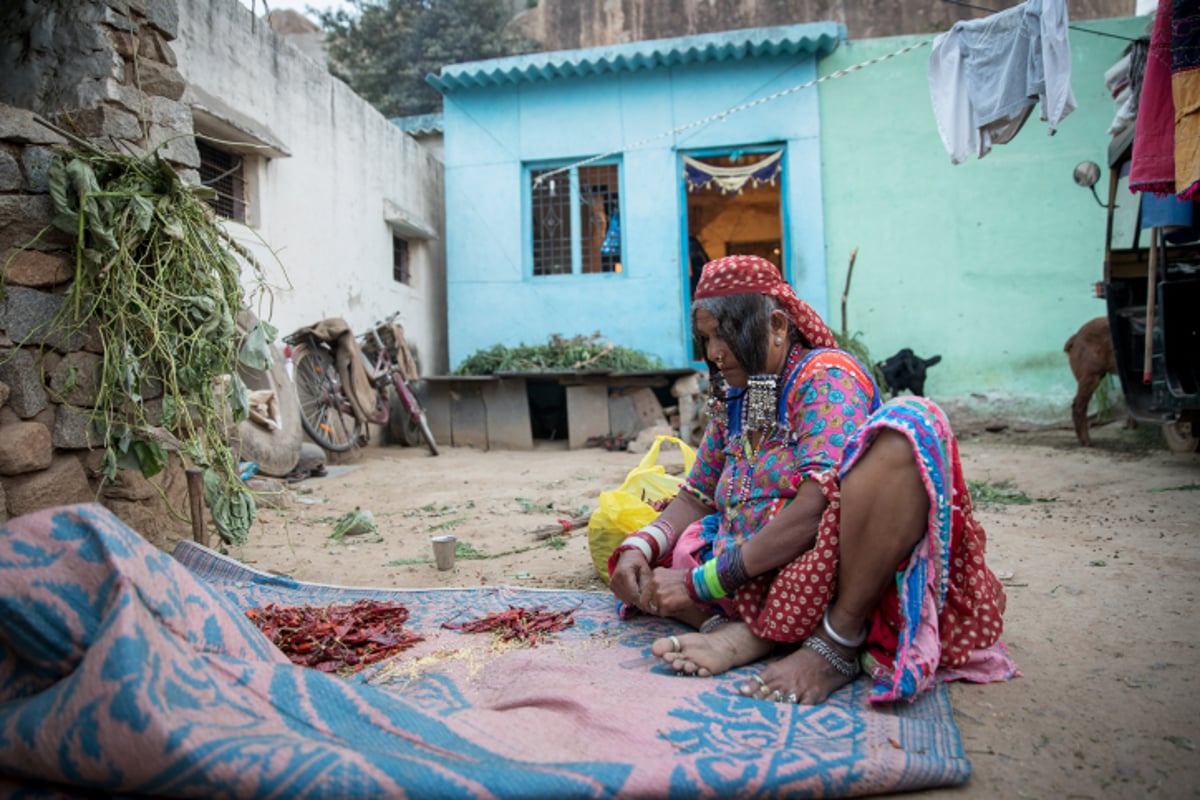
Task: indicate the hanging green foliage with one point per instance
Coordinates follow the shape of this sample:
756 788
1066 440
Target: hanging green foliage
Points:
559 354
855 346
156 278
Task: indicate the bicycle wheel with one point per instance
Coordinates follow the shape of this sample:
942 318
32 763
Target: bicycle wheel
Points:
406 419
324 414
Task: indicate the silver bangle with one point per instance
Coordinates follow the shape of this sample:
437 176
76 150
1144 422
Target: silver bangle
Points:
713 622
850 669
839 639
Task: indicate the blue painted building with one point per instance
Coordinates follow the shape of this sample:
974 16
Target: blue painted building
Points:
581 186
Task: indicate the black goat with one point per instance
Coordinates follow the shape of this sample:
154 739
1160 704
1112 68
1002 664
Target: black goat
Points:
906 370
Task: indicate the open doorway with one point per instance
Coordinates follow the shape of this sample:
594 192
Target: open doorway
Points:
733 207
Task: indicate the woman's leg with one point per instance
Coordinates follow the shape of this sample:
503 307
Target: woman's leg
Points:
884 514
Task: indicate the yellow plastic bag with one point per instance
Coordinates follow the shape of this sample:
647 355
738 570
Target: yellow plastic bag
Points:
621 511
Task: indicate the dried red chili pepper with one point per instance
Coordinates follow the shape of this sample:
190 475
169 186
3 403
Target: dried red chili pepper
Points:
521 624
658 505
336 638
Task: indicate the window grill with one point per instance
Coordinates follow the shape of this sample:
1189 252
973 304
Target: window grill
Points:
600 219
576 220
551 224
223 172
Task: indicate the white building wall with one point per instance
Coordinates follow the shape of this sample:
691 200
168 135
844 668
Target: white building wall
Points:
336 181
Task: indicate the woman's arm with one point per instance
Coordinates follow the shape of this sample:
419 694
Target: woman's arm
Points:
779 542
633 569
834 383
791 533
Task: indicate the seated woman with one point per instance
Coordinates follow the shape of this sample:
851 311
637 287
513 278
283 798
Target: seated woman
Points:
841 526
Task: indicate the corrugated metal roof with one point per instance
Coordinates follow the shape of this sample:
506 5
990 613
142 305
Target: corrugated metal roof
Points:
817 38
419 124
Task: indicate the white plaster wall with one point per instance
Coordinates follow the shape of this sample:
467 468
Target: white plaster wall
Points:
319 215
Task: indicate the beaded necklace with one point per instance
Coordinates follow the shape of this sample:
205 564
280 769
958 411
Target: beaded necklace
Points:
740 437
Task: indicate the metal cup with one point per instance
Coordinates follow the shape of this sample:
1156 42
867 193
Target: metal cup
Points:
443 551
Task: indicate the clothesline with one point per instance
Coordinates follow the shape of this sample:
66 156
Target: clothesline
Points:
1072 27
730 111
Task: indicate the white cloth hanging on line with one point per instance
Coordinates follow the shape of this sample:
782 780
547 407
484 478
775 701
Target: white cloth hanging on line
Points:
986 75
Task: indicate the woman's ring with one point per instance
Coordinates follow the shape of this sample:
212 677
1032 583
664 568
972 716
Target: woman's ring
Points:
653 608
675 645
758 678
791 697
777 696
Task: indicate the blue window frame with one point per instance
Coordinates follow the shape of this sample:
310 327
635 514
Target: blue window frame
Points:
575 219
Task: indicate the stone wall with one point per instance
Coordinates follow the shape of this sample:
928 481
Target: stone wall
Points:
103 72
568 24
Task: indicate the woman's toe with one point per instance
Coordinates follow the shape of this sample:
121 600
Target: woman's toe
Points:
756 687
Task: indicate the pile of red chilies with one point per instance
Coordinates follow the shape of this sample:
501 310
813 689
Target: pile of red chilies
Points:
336 638
522 624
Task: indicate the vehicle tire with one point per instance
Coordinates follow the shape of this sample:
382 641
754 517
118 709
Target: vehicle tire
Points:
403 428
1180 435
275 451
317 387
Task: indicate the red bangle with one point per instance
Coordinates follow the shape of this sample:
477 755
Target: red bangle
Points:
616 556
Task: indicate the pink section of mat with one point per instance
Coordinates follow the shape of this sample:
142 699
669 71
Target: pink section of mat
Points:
124 670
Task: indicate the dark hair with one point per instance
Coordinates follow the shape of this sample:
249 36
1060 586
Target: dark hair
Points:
744 323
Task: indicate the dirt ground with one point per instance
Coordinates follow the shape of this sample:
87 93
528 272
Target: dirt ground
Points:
1101 568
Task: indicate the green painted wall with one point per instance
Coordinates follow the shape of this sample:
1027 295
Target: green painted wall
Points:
989 263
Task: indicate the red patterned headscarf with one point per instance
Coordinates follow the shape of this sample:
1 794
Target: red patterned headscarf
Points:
747 274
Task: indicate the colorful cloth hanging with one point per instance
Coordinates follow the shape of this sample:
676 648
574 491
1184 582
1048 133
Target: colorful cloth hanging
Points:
1166 143
611 246
731 179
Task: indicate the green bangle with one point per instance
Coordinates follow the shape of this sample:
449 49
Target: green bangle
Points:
711 581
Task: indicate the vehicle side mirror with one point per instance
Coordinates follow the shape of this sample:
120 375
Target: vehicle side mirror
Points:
1086 175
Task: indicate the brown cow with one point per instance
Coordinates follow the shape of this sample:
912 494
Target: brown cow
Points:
1090 351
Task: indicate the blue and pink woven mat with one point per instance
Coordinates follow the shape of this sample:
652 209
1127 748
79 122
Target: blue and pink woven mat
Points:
126 671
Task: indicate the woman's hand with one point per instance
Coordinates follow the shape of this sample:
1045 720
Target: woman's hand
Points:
666 592
631 574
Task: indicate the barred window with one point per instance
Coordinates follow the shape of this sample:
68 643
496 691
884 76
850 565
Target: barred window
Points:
400 271
223 172
576 220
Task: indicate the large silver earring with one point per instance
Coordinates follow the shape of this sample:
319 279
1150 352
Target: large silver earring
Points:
761 401
716 400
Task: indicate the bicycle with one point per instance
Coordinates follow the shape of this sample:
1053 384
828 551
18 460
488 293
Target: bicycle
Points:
326 411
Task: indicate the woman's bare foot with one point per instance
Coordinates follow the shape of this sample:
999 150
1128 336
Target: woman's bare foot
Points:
706 654
806 676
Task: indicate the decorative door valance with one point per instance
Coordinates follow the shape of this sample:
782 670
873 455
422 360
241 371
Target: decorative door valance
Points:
731 179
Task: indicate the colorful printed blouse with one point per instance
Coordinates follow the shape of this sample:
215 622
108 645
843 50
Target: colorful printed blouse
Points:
827 397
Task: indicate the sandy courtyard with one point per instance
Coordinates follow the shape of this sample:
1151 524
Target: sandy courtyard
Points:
1101 568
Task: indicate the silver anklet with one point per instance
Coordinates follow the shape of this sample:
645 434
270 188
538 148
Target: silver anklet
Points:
713 622
850 669
853 644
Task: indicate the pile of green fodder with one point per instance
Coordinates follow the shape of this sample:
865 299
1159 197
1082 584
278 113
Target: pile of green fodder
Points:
855 346
157 279
559 354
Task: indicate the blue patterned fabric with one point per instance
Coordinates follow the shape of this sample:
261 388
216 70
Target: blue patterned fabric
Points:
128 672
